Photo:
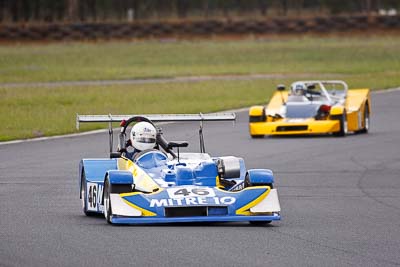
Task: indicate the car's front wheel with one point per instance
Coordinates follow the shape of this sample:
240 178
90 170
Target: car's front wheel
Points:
107 201
343 125
366 120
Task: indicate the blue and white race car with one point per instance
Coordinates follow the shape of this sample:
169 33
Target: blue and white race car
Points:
163 185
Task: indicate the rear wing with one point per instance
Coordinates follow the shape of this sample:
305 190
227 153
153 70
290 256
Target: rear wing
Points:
157 117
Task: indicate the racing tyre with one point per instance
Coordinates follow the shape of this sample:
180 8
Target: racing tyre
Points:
343 125
83 196
366 120
260 223
247 182
107 201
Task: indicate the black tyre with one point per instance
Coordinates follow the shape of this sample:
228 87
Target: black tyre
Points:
366 122
107 201
83 196
247 181
258 118
257 136
260 223
343 125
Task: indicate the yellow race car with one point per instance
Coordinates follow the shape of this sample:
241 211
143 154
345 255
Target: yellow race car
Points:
312 107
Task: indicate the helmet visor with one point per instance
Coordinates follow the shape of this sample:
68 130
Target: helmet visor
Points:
145 140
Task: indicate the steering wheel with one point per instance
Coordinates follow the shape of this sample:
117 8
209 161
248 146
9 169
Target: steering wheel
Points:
312 92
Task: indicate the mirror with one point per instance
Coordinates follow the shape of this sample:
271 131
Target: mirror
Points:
173 144
311 86
115 155
281 87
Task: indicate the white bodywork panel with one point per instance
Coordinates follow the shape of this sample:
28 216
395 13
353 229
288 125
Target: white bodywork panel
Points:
119 207
268 204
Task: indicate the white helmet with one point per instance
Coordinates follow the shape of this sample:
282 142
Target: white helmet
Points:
143 136
299 88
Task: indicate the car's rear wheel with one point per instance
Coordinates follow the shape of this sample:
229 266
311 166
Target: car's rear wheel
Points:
84 196
257 136
107 201
343 125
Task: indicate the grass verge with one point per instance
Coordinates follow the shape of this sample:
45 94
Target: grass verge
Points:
127 60
32 112
51 111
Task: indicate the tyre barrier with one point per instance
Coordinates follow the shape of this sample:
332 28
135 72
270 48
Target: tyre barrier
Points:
94 31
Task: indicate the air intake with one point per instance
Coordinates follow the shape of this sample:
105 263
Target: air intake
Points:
292 128
195 211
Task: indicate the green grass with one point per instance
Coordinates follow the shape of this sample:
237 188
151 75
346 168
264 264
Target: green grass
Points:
52 111
38 112
31 111
125 60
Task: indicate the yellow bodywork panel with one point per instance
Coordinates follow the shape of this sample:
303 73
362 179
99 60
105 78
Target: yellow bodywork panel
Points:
356 99
336 110
311 127
256 111
355 107
142 180
276 102
245 209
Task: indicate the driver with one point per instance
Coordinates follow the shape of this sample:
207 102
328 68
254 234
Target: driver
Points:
142 137
299 89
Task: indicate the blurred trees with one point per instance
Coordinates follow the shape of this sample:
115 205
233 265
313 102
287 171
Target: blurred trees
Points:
122 10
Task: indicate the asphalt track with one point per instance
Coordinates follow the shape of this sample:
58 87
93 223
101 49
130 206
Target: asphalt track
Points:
340 203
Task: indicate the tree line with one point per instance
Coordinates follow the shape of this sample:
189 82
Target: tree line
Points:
23 11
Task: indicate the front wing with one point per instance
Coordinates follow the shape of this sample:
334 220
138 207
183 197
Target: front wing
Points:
196 204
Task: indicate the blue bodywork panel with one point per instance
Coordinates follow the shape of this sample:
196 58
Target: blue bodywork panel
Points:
157 166
152 160
157 220
120 177
261 176
95 169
